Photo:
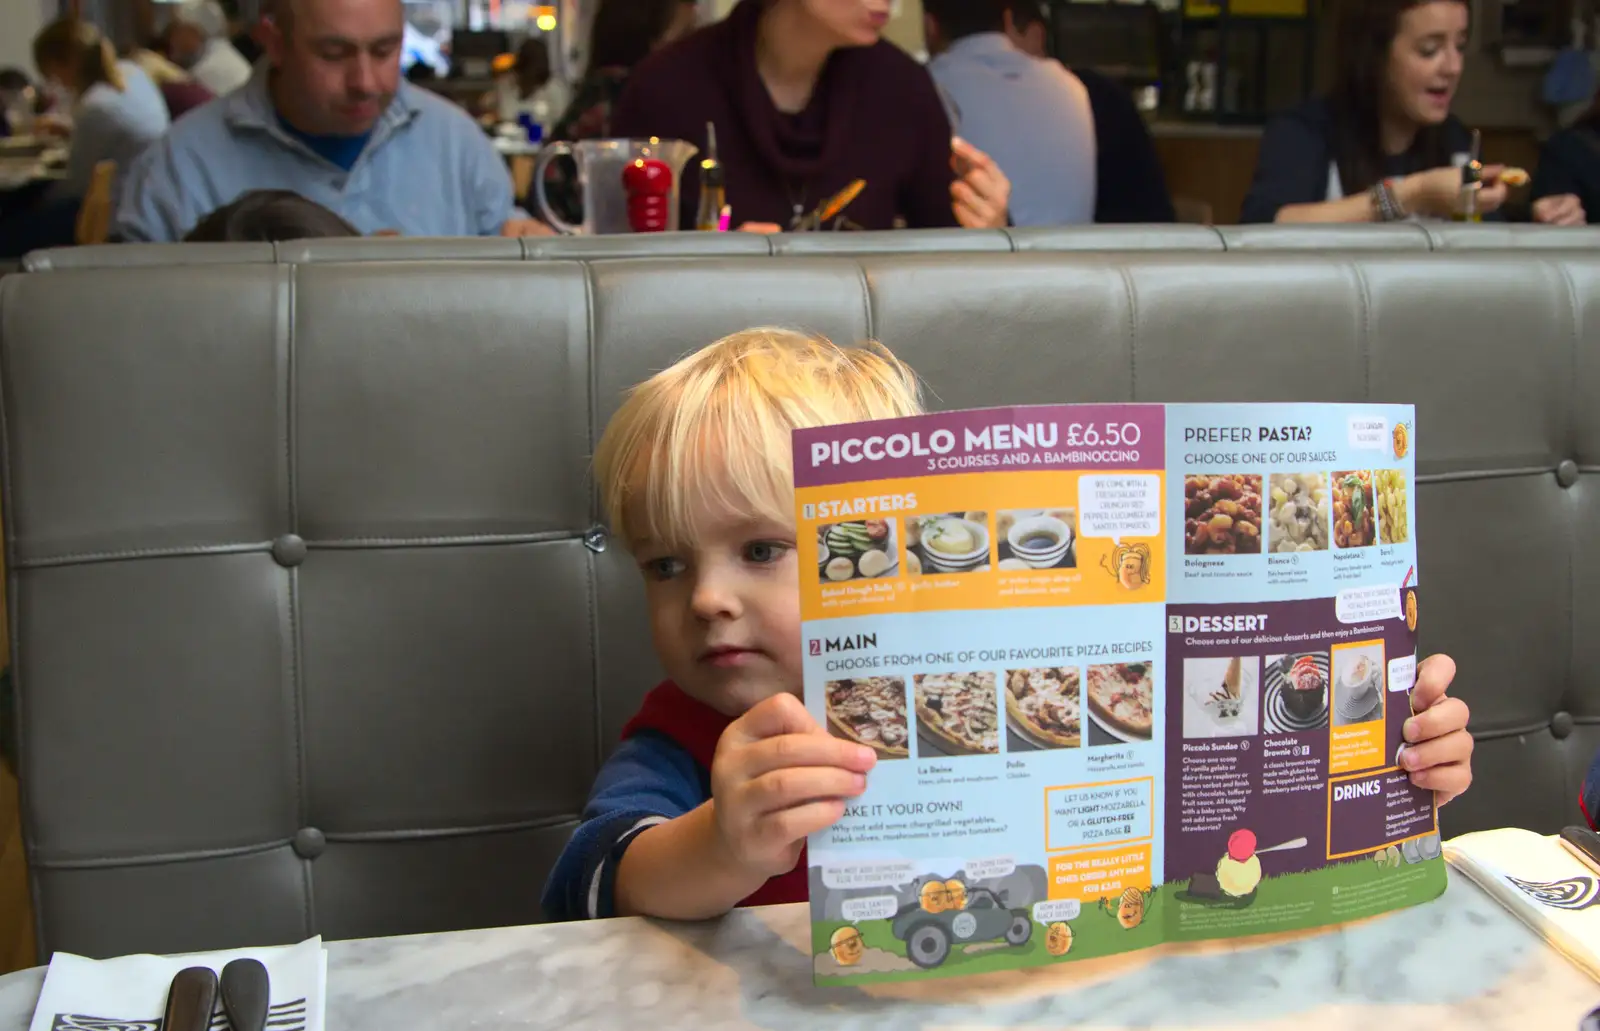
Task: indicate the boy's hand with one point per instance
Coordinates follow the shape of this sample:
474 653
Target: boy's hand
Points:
778 776
1438 750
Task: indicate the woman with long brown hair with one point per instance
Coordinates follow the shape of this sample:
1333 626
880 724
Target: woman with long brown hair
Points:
1383 144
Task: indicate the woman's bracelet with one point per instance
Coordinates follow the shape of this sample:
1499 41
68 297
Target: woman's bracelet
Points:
1385 204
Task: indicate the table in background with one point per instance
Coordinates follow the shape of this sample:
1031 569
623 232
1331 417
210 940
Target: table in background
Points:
1461 963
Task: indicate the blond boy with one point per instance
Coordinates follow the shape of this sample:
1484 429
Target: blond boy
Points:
707 802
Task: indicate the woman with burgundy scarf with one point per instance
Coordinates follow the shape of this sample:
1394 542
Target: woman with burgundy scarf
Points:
807 98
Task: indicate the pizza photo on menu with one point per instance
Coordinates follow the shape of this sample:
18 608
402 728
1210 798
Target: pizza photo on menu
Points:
871 711
1042 709
957 714
1121 699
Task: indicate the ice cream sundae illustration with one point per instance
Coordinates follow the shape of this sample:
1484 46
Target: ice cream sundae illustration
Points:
1238 873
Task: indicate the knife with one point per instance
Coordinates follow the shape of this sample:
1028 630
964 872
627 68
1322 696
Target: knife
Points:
190 1000
246 993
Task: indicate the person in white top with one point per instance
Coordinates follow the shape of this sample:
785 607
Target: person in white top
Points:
198 42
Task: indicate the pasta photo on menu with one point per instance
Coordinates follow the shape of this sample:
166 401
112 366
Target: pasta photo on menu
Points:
1301 506
1353 510
1222 514
1394 512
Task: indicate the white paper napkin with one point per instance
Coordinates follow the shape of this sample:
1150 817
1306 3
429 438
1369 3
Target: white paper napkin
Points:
129 993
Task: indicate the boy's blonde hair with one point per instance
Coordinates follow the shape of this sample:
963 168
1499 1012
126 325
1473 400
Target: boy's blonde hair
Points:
712 433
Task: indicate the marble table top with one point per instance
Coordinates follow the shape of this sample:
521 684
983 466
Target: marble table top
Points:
1460 962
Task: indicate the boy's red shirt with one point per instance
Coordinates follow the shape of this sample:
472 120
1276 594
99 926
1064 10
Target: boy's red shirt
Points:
696 728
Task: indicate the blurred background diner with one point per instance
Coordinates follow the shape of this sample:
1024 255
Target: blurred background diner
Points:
430 117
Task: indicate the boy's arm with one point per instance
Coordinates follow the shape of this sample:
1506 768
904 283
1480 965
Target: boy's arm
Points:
654 844
680 870
777 776
649 780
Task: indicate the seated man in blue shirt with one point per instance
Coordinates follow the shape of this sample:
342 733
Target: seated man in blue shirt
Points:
1130 184
1032 117
328 117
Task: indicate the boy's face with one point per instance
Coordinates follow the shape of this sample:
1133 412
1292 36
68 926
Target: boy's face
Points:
725 613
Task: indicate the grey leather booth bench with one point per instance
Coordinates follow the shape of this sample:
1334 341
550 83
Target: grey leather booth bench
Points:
1414 237
313 631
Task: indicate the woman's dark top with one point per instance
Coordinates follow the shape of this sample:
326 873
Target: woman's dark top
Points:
1297 153
1130 184
874 114
1569 162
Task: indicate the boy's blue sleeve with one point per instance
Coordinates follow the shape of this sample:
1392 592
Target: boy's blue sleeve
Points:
648 780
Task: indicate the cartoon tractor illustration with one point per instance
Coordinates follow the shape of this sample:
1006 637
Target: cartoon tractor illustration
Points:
929 936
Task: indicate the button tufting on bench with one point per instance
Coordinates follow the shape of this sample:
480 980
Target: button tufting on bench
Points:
309 843
1561 724
1567 472
289 550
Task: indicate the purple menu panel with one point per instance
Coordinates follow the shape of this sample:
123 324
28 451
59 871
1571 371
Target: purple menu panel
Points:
1045 437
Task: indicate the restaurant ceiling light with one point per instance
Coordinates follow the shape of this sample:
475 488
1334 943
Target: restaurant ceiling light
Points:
544 16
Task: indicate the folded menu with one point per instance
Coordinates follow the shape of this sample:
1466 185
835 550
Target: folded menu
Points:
129 993
1541 882
1134 674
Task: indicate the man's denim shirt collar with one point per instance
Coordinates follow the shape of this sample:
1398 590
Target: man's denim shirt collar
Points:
250 109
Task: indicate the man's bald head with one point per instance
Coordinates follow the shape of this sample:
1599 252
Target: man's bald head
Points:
336 62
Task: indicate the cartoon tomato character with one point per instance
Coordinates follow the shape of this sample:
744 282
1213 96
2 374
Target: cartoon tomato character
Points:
934 897
1411 610
1058 939
846 946
955 895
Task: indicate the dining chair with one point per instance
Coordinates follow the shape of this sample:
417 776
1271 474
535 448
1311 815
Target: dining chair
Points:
94 217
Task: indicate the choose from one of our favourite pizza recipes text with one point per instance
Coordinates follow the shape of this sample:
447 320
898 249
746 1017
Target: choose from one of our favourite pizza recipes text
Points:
1134 674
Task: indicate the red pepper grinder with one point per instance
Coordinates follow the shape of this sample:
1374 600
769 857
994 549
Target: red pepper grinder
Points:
648 184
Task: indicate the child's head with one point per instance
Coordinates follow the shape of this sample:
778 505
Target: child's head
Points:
269 215
696 475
